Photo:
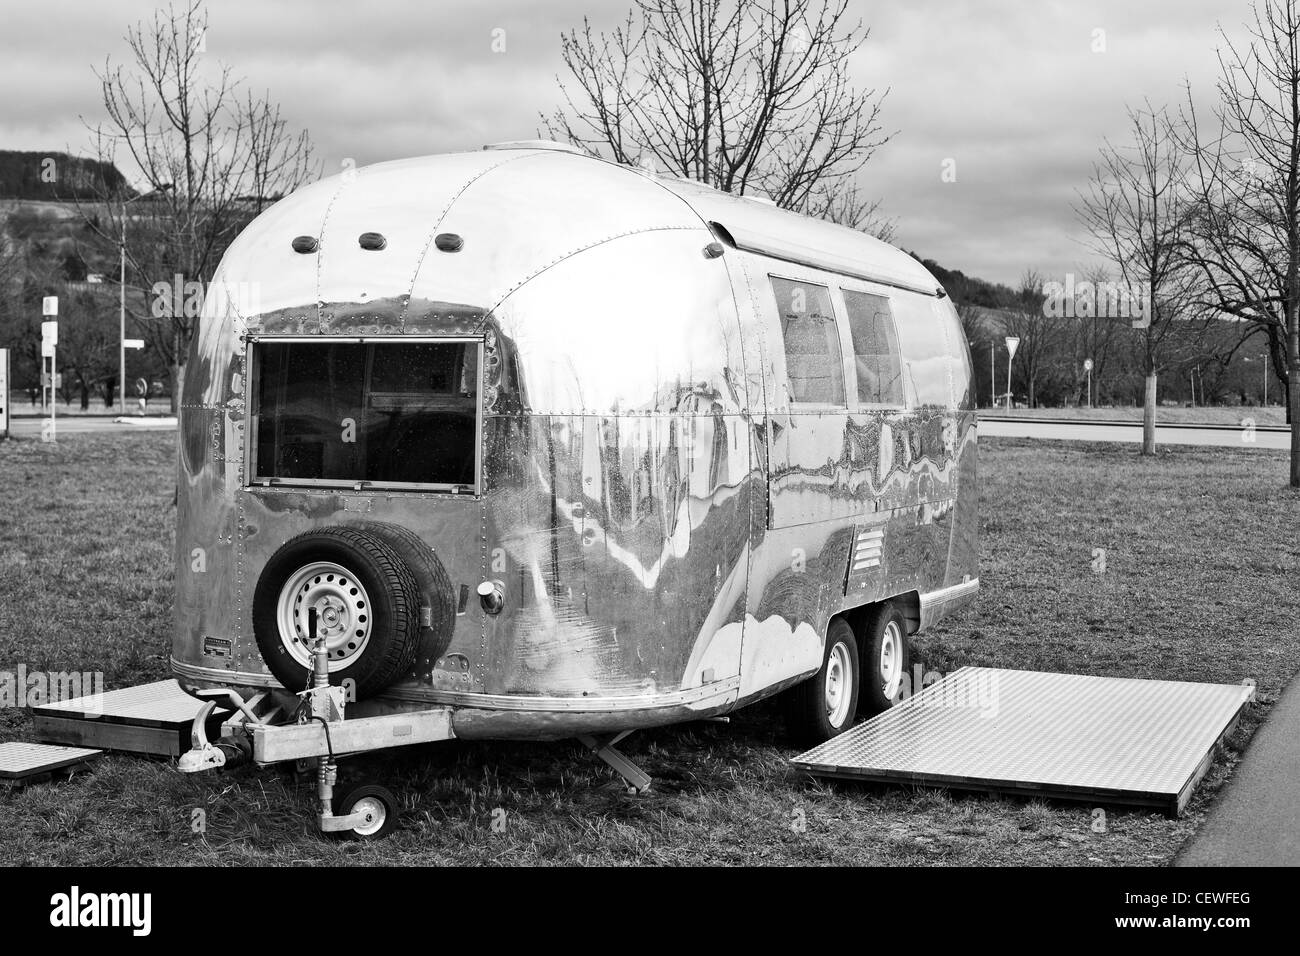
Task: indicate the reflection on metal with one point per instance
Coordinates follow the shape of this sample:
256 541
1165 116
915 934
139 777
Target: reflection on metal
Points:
1107 740
671 533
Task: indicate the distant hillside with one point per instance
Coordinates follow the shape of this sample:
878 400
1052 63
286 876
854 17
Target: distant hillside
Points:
969 290
56 176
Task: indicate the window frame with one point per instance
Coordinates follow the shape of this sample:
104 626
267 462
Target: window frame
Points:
848 370
252 380
844 289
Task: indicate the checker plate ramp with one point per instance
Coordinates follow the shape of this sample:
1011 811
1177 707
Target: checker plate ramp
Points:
160 704
149 719
1104 739
20 760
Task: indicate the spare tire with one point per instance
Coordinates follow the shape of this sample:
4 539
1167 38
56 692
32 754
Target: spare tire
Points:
367 606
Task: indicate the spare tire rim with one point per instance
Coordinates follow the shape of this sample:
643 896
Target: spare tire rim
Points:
344 616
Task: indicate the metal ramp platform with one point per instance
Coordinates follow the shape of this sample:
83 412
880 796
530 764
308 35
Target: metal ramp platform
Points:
1106 740
22 763
148 719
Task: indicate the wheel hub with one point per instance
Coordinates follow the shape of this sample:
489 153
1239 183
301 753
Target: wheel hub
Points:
891 661
343 613
839 685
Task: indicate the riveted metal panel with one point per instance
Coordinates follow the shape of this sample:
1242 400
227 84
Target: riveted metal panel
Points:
1101 739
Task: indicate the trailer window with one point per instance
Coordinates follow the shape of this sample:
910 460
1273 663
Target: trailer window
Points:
813 361
340 412
875 349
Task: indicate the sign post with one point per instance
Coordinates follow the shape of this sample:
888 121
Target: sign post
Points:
1013 343
50 342
4 394
1087 367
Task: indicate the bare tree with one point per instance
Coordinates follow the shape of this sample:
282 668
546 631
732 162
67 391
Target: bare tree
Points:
1246 234
1040 356
745 96
211 157
1136 212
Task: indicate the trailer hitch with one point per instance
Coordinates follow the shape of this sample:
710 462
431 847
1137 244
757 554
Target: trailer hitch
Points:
232 749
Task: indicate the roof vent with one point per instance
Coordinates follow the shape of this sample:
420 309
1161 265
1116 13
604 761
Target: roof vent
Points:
537 144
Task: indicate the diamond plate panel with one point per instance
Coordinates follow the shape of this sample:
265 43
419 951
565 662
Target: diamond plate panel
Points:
1121 740
159 704
20 759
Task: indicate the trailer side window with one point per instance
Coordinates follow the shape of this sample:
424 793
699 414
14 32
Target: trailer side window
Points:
813 361
380 412
875 349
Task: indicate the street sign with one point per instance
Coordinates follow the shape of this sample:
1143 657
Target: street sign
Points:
1013 342
45 380
47 350
133 343
50 305
1087 365
4 393
50 332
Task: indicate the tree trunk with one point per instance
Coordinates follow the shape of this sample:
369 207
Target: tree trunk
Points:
178 379
1293 399
1149 416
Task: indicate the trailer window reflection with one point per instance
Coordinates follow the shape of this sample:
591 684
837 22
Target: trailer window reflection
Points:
379 412
875 349
813 361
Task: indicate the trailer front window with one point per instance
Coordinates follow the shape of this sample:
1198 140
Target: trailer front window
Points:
382 413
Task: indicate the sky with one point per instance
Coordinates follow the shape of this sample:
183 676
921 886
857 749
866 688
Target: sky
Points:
1012 97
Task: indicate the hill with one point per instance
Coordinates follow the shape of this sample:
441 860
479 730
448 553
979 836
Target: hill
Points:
57 176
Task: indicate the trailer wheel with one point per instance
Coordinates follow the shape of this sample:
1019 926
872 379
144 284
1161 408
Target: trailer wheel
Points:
367 606
825 704
380 807
885 647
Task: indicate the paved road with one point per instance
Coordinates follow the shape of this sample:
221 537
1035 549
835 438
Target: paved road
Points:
1256 821
77 424
1228 436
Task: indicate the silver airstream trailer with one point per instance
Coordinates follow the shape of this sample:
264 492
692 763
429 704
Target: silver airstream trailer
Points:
518 443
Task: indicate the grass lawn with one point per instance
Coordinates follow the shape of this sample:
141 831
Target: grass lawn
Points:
1201 559
1166 414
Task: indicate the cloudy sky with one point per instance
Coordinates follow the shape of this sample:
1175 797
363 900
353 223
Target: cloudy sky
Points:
1010 90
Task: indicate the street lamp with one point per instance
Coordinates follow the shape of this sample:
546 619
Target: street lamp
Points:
121 287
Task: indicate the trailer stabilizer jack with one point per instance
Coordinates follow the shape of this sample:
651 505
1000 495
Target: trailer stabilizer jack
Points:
603 747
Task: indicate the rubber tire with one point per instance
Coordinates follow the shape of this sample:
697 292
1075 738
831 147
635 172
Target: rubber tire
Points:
806 717
344 806
394 598
873 700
